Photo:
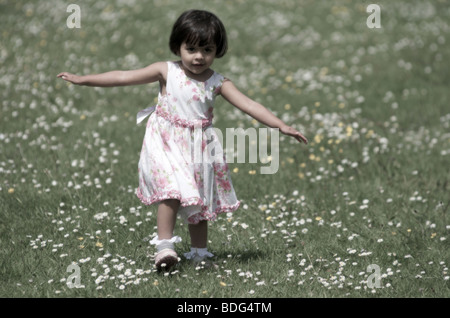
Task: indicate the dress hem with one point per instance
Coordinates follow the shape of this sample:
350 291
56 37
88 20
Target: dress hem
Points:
203 215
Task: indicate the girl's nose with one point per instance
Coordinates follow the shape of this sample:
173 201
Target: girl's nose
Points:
199 55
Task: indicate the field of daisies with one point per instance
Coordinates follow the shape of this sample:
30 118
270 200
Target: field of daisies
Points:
361 211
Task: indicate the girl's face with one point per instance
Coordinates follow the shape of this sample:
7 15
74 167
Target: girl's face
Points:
196 59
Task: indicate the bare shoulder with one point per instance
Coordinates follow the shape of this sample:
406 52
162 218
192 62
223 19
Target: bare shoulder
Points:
228 87
159 69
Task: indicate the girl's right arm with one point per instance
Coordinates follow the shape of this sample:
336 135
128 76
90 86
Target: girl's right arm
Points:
152 73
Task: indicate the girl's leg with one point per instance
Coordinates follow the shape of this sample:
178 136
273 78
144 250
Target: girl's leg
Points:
167 217
199 234
199 238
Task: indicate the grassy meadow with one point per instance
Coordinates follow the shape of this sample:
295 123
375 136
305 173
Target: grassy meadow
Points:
371 188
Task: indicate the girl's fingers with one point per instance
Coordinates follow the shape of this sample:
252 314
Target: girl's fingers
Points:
62 75
296 134
301 138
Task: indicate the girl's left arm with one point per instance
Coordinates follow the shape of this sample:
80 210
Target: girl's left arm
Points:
257 111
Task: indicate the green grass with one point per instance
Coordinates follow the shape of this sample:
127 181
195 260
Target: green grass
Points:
371 187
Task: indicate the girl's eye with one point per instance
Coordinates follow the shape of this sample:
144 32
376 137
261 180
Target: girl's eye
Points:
206 50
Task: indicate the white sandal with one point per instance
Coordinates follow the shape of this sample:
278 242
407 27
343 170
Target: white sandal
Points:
166 259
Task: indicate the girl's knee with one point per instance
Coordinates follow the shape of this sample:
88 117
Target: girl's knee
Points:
171 202
198 225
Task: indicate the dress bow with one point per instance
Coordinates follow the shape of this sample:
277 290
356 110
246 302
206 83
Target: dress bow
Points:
144 113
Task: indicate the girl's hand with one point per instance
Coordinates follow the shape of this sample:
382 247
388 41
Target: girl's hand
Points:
289 131
72 78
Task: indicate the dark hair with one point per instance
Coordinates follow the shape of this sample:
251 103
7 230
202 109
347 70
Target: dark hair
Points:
198 27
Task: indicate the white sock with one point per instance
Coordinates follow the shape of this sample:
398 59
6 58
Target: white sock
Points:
200 251
164 244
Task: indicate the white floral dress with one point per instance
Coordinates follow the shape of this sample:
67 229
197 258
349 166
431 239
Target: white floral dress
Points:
181 156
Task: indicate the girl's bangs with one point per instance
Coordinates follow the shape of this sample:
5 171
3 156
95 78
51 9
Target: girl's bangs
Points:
201 37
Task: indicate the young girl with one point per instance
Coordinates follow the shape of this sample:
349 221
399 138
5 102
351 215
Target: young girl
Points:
196 190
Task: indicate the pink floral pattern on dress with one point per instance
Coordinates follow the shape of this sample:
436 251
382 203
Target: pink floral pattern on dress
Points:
170 166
